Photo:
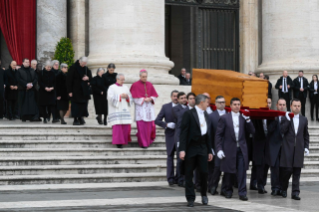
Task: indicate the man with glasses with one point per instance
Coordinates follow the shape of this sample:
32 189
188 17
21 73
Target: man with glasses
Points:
214 166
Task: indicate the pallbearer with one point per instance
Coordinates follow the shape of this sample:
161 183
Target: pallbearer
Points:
144 95
119 101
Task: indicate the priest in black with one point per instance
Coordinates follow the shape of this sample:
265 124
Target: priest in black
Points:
79 89
56 70
294 147
47 92
284 85
109 79
99 95
11 90
62 92
314 97
27 79
195 147
300 86
34 64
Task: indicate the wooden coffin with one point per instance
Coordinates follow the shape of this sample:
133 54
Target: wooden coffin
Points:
252 91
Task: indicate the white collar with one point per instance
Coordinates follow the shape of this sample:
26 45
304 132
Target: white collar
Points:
199 110
174 104
183 106
234 114
296 116
190 107
221 111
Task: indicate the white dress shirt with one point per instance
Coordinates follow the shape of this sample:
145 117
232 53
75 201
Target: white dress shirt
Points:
315 86
284 81
184 106
173 104
235 117
209 110
301 82
265 126
189 107
221 112
202 120
296 123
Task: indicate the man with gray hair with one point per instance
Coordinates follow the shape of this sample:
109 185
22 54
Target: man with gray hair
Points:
195 147
79 89
56 70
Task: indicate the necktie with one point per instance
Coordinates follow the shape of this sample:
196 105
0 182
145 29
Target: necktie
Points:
285 85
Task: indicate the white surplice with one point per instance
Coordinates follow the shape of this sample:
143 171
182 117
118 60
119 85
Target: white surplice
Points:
144 111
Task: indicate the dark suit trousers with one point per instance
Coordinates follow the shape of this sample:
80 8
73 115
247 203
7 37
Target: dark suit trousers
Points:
303 103
287 98
179 177
11 105
200 163
262 171
275 177
170 167
214 174
253 177
285 174
314 103
241 176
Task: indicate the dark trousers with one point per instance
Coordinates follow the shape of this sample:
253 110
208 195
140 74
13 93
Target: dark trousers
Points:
179 177
303 103
285 174
44 110
287 98
275 176
241 176
170 167
199 162
214 174
262 171
11 106
314 104
253 177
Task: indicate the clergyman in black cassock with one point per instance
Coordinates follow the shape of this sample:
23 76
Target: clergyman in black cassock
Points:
195 147
294 147
301 86
11 90
27 79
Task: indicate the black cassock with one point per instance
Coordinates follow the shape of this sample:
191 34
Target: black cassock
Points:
61 90
100 102
47 80
11 95
27 104
80 89
2 83
109 79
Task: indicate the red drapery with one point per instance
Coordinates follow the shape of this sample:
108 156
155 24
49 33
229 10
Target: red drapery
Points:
18 24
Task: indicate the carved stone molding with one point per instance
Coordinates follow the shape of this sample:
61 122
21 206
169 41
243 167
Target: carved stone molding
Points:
206 2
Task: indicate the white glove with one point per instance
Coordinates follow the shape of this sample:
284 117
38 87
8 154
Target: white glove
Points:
306 152
245 117
220 154
171 125
287 116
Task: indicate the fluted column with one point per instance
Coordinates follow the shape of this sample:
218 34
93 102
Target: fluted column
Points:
131 35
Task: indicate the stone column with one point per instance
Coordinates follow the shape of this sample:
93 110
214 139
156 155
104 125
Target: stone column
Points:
77 27
51 26
131 35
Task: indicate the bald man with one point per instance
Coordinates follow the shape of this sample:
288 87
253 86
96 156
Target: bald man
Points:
284 85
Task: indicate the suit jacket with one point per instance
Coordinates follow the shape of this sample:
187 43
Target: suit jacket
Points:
269 90
185 82
178 113
181 79
311 89
260 143
275 139
214 118
296 87
292 151
279 83
190 132
225 140
167 114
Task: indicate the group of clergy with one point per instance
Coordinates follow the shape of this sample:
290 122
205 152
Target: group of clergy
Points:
208 143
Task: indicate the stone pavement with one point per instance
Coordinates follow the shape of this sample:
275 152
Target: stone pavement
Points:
144 196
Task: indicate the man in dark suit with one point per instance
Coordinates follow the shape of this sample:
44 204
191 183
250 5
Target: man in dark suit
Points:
275 139
231 148
178 113
294 147
195 147
300 85
182 76
260 144
269 87
214 166
284 85
169 126
187 80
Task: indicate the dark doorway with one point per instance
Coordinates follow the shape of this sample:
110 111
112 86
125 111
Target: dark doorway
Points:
202 34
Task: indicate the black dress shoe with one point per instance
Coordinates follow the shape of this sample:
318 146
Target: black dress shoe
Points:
63 122
213 191
275 193
181 184
243 198
295 197
226 195
170 183
262 191
55 121
204 200
76 122
120 146
190 204
82 122
284 194
45 121
254 188
99 120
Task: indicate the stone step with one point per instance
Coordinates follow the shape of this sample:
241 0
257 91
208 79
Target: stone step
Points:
81 169
105 177
81 160
15 152
106 143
